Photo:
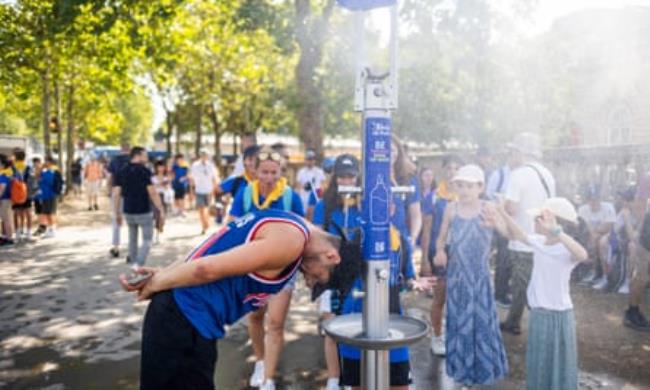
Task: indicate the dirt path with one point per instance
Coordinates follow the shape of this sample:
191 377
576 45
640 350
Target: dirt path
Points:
64 323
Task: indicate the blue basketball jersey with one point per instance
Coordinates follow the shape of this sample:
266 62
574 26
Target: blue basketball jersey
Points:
212 306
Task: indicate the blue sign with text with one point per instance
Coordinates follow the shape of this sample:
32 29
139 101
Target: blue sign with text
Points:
377 183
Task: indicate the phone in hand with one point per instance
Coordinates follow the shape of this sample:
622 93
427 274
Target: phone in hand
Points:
136 279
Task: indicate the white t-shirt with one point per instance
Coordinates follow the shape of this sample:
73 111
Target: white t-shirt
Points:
204 175
549 282
313 175
526 189
606 214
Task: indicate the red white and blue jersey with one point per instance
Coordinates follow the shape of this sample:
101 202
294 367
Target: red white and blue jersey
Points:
212 306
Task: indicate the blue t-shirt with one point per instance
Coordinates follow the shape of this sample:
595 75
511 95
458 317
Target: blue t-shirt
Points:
210 307
338 217
46 185
398 219
237 207
232 184
180 176
6 180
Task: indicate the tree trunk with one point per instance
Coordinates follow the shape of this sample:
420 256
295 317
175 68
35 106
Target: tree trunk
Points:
69 137
177 145
310 35
199 135
170 131
59 129
217 139
46 112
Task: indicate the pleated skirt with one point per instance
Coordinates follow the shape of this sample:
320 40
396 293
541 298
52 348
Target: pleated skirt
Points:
552 354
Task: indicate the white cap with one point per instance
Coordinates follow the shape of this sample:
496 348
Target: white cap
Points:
527 143
559 207
470 173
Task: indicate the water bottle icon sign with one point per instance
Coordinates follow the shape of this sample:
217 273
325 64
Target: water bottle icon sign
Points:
379 202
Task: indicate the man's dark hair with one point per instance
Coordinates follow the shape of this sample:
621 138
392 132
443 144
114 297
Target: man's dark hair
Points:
179 155
19 154
136 151
36 160
50 160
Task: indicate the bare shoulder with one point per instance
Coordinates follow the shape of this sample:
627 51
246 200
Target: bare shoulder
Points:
286 235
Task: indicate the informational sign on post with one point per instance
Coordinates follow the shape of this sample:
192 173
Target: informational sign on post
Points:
377 198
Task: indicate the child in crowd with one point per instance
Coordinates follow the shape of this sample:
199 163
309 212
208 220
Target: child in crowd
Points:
475 351
551 354
180 183
162 184
433 208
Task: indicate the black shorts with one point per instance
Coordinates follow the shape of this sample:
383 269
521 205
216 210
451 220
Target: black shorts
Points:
38 207
23 206
174 354
400 373
48 207
179 192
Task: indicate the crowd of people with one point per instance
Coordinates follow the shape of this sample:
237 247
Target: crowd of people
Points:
490 235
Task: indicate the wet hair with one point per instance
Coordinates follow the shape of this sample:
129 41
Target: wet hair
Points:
404 169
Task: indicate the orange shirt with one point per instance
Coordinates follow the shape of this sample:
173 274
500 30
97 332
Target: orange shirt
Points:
93 171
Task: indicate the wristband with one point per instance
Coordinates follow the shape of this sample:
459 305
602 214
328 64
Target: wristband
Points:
556 231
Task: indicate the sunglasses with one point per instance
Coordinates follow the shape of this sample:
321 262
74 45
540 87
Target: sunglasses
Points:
273 156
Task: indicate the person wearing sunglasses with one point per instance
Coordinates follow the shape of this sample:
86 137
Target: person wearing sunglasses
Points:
268 191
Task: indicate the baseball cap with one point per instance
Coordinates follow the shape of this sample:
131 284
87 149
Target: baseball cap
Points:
310 155
346 164
559 207
251 151
470 173
527 143
592 192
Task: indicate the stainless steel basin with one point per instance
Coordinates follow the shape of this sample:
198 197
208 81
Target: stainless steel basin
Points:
402 330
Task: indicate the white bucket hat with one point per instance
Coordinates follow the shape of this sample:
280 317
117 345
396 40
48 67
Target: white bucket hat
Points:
559 207
470 173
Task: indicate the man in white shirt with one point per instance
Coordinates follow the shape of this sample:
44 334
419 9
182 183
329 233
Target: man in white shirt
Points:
310 178
204 176
600 217
530 184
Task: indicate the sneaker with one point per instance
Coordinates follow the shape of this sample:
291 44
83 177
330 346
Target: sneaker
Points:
114 252
512 329
96 207
40 230
636 320
7 242
504 303
258 375
333 384
90 208
600 284
268 384
625 287
590 278
49 233
438 345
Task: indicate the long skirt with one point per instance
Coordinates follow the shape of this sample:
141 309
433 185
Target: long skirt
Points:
552 354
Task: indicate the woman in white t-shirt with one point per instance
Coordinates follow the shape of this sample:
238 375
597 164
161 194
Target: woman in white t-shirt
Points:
551 355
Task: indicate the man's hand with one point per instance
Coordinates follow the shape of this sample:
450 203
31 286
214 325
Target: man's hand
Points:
124 280
424 284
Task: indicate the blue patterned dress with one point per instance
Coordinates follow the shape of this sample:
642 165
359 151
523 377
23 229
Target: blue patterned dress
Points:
475 351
